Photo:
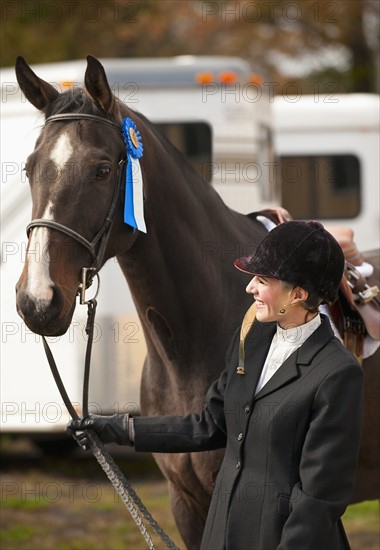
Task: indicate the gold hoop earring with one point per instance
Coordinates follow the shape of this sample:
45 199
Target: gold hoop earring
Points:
282 311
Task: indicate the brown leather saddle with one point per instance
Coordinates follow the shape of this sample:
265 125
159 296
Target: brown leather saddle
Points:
357 312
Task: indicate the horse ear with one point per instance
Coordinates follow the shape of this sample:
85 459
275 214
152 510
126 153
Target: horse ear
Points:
97 84
37 91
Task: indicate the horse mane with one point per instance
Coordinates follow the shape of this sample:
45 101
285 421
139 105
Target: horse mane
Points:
76 100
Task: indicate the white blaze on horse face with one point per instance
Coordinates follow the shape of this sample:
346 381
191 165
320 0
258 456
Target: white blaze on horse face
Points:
39 285
62 151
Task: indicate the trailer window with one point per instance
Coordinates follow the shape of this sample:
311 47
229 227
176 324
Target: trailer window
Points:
266 158
194 139
322 187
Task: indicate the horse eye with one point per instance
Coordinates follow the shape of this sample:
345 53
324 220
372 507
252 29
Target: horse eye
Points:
102 171
26 172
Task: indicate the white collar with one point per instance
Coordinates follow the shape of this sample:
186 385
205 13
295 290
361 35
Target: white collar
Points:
296 336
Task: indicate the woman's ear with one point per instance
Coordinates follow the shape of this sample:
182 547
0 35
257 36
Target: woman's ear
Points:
299 295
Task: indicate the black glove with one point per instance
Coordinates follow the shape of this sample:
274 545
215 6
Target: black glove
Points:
109 429
73 429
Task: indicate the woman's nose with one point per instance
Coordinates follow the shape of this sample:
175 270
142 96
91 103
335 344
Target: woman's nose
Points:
250 288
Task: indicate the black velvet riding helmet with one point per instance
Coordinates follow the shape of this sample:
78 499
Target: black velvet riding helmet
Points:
301 253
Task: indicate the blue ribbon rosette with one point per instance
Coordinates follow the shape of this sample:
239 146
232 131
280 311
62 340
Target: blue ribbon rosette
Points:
134 194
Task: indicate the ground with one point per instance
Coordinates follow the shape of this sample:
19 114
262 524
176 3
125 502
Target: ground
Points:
68 504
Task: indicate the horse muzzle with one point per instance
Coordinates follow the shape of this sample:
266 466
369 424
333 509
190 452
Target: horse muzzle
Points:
44 314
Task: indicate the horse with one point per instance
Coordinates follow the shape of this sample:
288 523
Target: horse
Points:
188 295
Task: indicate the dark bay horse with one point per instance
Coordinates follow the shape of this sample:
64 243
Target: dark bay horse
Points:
188 295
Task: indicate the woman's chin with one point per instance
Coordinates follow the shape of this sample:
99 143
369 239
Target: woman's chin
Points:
262 314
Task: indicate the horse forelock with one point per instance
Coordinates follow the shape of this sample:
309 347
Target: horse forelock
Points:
77 100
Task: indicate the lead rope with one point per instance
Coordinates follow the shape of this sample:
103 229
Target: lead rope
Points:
109 466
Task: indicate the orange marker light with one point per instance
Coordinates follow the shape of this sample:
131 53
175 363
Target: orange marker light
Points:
256 79
65 84
228 77
204 78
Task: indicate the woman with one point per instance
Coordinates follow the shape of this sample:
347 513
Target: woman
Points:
288 409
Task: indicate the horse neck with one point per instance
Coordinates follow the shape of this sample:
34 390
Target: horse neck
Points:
179 230
169 269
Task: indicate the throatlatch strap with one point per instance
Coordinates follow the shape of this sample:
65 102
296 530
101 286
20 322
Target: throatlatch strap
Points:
249 319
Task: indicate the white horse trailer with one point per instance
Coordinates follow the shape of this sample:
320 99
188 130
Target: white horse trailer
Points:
328 147
218 113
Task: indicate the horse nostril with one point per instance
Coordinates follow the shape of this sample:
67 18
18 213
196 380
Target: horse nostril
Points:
56 302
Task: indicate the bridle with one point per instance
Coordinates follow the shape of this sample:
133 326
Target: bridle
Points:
97 246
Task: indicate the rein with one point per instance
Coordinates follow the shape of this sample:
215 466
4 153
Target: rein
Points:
118 480
97 248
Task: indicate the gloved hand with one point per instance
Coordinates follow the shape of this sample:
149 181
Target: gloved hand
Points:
110 429
79 435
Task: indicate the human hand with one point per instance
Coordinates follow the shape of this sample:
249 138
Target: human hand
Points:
109 429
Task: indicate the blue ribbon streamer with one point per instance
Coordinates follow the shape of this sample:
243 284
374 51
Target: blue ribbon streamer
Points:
134 147
129 216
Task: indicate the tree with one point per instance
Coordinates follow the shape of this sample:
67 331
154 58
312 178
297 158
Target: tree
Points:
302 42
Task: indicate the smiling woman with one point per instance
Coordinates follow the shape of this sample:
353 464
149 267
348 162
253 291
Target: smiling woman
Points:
87 204
290 475
274 300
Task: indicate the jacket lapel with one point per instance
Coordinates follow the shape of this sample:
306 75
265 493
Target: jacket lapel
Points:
285 374
290 369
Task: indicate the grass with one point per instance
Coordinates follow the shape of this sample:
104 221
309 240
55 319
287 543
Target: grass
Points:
364 515
76 523
51 507
19 534
107 525
20 503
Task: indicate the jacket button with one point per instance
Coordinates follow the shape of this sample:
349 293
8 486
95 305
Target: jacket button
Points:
240 437
238 464
247 409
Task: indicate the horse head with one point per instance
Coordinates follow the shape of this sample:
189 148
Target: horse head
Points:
75 178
